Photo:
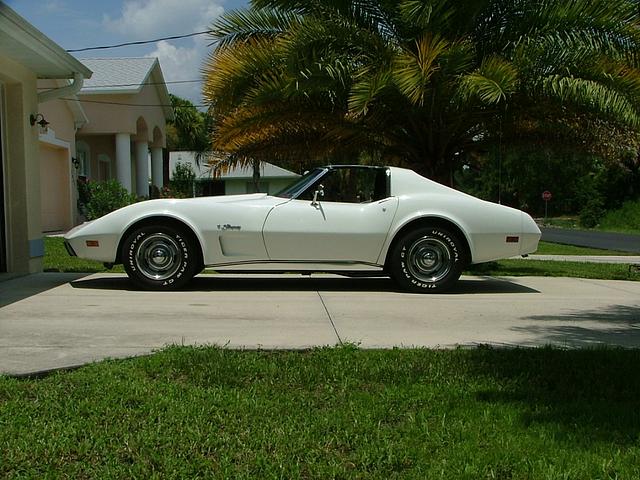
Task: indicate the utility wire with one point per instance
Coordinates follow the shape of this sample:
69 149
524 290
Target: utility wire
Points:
124 104
137 84
141 42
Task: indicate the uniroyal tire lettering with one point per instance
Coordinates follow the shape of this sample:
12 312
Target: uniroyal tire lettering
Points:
412 260
184 271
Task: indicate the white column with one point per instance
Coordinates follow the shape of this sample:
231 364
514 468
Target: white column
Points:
142 169
156 167
123 159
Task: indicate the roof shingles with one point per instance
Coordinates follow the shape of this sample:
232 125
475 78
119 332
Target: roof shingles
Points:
122 75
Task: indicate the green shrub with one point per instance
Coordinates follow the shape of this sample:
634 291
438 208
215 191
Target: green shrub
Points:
182 182
624 219
592 212
105 197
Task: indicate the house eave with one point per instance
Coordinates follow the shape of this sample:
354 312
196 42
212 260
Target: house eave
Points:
23 43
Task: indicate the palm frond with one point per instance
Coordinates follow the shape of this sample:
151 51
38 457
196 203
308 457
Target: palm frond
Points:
413 69
592 96
230 72
366 89
240 26
492 83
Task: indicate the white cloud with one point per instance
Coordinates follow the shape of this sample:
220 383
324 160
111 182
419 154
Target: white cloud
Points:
181 63
54 6
179 60
142 19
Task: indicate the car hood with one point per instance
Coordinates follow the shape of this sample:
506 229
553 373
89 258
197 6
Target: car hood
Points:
249 197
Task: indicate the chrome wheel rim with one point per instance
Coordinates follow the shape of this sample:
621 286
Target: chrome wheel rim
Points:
158 256
429 260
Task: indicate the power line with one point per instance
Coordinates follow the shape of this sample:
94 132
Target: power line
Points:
137 84
124 104
141 42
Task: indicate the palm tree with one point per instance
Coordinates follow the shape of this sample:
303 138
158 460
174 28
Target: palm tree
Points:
419 83
189 129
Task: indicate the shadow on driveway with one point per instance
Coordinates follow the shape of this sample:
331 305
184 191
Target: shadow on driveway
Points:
209 283
618 325
16 289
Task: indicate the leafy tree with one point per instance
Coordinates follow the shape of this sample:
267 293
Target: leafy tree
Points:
183 180
190 130
421 83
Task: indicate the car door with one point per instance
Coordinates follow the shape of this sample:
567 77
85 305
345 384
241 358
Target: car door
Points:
344 225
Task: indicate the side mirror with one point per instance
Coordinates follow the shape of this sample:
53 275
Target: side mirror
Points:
319 192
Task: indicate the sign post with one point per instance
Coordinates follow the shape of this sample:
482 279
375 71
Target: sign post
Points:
546 196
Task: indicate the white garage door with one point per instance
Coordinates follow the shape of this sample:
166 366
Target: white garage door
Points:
55 188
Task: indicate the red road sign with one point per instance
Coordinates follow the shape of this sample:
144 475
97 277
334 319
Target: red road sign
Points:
546 195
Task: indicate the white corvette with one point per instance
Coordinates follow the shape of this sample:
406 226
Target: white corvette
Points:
344 219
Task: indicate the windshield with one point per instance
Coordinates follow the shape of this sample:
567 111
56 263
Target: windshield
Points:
300 184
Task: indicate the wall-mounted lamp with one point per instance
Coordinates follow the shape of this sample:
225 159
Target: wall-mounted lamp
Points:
39 119
75 162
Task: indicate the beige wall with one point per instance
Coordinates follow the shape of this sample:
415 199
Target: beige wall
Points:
22 169
99 145
111 119
58 114
57 176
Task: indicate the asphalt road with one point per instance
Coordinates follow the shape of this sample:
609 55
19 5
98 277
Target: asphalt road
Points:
50 321
606 240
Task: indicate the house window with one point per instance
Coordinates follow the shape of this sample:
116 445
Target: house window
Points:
84 159
263 187
104 167
212 187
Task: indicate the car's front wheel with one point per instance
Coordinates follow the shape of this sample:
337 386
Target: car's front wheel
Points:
159 257
427 260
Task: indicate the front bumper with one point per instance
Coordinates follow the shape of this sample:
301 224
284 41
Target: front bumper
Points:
70 249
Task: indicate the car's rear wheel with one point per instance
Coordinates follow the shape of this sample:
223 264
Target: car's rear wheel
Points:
427 260
160 257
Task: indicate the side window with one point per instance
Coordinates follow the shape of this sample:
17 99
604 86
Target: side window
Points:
83 159
350 185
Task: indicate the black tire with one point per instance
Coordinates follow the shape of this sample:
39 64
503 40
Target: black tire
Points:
427 260
160 258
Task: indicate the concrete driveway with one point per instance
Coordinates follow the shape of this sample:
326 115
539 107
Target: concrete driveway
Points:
57 320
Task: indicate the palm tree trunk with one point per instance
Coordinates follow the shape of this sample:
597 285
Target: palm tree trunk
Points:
256 175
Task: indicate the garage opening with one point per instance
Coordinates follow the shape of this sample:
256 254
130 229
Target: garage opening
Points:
55 188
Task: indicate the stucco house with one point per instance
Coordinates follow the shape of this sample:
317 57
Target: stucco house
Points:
57 152
235 181
26 56
105 131
127 104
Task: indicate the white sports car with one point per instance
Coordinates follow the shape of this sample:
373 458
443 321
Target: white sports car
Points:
343 219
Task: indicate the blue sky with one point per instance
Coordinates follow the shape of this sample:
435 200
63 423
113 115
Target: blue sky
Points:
81 23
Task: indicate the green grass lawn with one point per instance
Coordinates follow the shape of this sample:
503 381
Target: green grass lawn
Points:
547 248
626 219
330 413
543 268
521 267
